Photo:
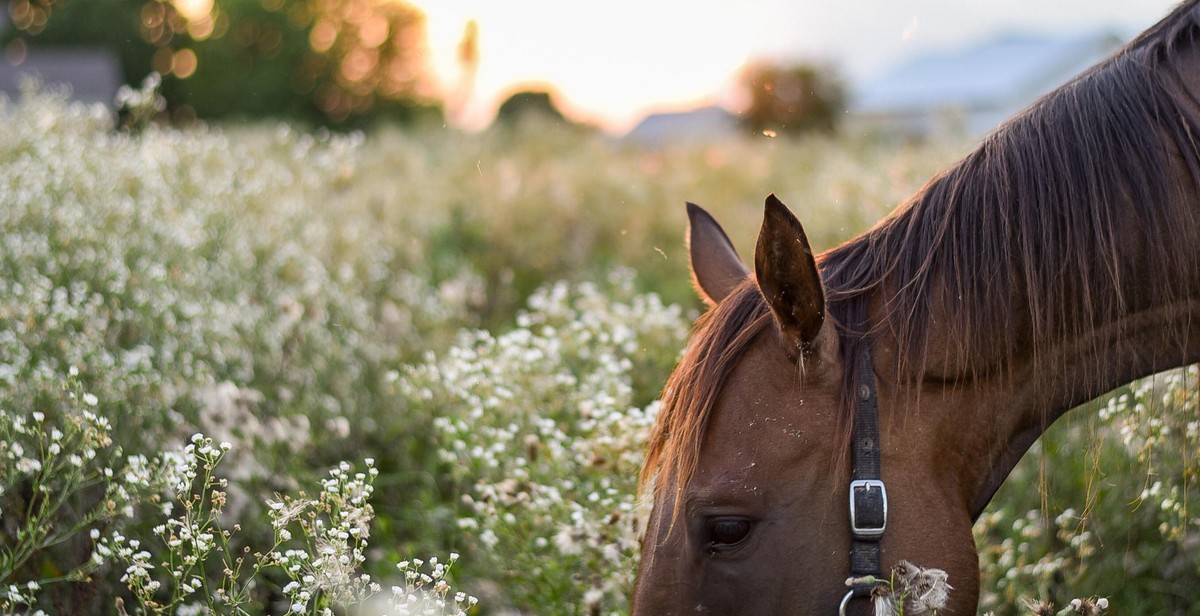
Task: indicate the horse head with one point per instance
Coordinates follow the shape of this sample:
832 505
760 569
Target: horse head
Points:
835 415
751 463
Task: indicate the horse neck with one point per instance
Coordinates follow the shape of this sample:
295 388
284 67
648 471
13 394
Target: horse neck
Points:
1115 309
994 421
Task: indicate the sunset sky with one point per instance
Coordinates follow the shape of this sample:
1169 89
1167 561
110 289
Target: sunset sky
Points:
612 62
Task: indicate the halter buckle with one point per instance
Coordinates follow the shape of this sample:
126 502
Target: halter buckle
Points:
868 508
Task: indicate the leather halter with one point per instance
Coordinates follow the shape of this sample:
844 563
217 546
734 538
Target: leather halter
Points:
868 496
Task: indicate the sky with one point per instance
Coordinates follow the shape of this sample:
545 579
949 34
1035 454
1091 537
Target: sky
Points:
612 62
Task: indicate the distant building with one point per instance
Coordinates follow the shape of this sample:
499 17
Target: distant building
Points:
977 88
697 125
92 74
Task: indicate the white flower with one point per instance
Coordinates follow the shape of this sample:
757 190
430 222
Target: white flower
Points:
569 541
926 590
592 600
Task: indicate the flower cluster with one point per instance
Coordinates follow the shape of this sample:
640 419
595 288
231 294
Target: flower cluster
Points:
323 559
61 481
1155 421
260 285
1083 607
141 105
324 568
1140 435
187 541
194 280
540 426
911 590
426 592
335 527
171 268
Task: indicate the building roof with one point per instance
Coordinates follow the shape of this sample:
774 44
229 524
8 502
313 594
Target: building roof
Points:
92 74
701 124
1007 72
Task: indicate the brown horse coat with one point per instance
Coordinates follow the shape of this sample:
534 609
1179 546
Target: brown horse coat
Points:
1057 261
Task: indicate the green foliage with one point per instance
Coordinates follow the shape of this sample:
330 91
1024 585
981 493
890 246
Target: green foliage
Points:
519 106
538 205
193 566
310 298
264 286
190 284
319 61
1104 505
58 489
793 99
543 427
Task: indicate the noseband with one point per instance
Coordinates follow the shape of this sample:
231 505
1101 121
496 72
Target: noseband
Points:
868 497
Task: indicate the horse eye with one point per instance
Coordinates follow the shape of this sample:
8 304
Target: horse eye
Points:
727 532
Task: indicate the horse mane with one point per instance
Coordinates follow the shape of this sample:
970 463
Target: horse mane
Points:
1057 204
1040 212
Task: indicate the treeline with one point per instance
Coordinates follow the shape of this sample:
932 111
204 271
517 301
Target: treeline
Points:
342 63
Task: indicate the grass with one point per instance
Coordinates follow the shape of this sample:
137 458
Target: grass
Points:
486 318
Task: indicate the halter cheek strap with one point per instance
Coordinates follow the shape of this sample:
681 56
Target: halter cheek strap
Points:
868 496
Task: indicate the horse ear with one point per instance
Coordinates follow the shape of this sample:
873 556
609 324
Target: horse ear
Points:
716 266
788 277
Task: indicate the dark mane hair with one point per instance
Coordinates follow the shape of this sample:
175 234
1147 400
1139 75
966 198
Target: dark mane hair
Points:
1039 212
1060 202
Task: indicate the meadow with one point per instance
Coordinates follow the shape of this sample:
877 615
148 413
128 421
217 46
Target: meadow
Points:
255 369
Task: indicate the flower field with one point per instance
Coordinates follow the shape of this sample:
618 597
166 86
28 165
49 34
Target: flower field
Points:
259 370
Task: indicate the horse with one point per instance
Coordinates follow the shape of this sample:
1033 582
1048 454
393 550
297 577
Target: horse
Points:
836 413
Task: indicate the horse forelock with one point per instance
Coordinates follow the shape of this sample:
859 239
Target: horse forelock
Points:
718 340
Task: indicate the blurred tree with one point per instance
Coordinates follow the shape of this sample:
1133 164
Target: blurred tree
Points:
468 67
792 99
527 104
324 61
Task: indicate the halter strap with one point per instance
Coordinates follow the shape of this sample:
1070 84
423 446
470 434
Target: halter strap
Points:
868 496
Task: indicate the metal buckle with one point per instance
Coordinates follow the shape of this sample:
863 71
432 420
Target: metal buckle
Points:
866 486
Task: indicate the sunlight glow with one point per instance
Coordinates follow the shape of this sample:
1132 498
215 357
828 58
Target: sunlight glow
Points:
194 10
613 62
608 60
